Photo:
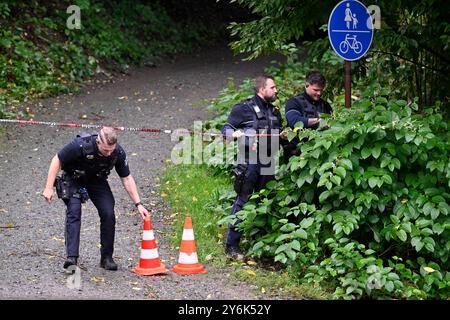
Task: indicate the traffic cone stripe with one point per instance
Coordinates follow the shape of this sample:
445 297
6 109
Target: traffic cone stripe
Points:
149 254
188 234
188 246
148 244
187 258
149 263
148 235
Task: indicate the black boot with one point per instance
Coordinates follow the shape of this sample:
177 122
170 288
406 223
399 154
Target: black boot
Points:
70 261
234 252
108 263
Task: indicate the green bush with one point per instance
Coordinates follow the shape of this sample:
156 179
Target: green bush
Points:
366 204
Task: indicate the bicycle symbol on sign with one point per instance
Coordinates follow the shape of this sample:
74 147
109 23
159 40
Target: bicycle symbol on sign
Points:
350 42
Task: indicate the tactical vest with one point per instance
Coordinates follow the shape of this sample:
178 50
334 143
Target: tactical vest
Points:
91 165
261 121
311 110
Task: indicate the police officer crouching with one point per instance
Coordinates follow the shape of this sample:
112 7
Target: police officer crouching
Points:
248 122
86 163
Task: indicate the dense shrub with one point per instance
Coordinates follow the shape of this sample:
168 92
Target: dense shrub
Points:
364 209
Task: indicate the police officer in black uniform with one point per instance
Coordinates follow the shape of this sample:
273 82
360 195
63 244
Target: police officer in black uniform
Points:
86 163
248 122
306 108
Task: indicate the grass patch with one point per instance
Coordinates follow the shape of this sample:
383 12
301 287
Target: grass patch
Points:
190 190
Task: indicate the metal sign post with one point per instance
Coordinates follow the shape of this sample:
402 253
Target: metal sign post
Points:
350 31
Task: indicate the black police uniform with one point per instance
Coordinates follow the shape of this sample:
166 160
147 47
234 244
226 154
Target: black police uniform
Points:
252 115
301 108
87 170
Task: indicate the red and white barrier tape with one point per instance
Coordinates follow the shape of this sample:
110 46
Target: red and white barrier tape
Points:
99 126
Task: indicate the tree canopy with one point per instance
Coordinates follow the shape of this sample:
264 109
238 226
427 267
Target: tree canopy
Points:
413 43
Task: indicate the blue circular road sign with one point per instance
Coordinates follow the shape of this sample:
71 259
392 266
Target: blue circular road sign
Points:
350 29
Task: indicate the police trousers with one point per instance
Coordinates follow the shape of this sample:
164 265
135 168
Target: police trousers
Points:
103 199
257 181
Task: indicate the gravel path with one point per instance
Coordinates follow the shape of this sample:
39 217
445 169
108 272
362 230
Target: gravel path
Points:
32 236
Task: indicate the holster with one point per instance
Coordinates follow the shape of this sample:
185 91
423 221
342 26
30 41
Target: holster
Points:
67 187
239 177
63 188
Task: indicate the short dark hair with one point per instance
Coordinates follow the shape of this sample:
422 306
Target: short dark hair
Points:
260 81
315 77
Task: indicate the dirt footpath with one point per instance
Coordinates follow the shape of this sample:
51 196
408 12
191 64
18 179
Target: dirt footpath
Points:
32 249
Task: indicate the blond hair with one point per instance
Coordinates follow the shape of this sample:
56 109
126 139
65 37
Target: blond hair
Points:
108 135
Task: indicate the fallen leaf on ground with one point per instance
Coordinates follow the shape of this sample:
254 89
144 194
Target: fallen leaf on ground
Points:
251 272
97 279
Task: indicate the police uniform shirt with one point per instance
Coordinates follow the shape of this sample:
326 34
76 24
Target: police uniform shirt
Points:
72 156
302 107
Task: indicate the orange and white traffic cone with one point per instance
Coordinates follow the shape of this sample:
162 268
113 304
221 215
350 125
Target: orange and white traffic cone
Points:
150 263
187 260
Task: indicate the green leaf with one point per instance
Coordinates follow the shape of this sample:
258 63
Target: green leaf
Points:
281 257
389 286
409 136
376 151
387 179
311 246
291 254
306 223
373 181
300 182
258 245
295 245
429 244
341 172
381 100
281 248
282 237
438 228
365 153
291 135
401 234
300 233
336 180
417 243
288 227
346 163
434 213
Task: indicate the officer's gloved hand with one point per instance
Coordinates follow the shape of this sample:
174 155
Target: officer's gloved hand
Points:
237 134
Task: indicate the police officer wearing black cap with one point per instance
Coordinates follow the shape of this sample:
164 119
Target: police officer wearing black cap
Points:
252 122
86 163
306 108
